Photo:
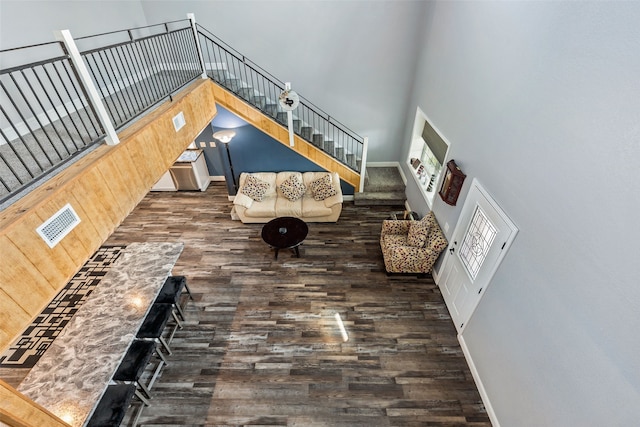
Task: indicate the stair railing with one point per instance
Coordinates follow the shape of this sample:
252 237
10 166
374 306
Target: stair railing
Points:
235 72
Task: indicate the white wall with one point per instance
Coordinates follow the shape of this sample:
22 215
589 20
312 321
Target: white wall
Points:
26 22
540 101
33 22
354 60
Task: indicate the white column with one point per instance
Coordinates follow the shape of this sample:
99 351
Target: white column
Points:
363 162
85 80
287 86
192 18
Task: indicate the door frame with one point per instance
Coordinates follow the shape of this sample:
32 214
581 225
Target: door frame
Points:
466 213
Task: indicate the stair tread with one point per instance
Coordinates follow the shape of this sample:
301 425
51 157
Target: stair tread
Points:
384 188
379 198
380 195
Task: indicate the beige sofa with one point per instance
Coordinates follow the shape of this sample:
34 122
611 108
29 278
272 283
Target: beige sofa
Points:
318 199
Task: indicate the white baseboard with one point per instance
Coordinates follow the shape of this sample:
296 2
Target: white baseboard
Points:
478 381
216 178
402 175
407 207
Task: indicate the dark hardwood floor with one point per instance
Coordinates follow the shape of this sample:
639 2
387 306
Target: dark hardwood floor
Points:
261 344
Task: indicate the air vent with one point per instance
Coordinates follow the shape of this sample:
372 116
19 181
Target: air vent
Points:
179 121
59 225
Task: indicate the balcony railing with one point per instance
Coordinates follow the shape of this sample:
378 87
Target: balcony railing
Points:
49 114
45 119
135 69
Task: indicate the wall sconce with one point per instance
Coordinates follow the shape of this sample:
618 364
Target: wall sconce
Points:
225 136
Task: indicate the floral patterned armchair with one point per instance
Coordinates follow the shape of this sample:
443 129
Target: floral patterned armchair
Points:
411 246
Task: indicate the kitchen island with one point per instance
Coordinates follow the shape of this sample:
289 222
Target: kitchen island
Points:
70 378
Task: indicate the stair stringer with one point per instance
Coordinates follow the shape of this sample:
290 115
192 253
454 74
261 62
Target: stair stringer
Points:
233 103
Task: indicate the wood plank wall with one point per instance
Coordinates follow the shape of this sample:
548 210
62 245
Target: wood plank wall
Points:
103 188
19 411
250 114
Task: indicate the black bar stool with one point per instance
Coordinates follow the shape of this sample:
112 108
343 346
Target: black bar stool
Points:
134 363
154 324
114 404
172 291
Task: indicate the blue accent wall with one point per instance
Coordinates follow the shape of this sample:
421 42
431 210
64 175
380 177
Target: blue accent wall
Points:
205 141
251 150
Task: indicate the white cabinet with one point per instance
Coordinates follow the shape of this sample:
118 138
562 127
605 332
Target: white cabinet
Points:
165 183
189 172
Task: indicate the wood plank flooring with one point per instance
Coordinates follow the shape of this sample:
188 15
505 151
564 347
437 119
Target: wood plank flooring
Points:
261 344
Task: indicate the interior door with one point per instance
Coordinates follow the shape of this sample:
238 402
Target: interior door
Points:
479 242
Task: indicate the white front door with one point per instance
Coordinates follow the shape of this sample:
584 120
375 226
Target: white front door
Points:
479 242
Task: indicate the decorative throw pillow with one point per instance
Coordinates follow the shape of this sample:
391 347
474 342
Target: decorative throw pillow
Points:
322 188
418 231
254 188
436 241
292 188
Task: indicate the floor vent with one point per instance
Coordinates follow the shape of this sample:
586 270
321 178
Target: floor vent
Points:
59 225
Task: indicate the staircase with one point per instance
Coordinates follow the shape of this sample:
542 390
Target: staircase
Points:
383 187
248 82
310 127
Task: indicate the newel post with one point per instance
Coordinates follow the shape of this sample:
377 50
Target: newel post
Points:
192 19
89 88
363 163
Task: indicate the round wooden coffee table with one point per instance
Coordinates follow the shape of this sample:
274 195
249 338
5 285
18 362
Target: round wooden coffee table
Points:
285 233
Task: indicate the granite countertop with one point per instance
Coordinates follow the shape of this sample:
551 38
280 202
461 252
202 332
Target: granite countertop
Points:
72 375
189 156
